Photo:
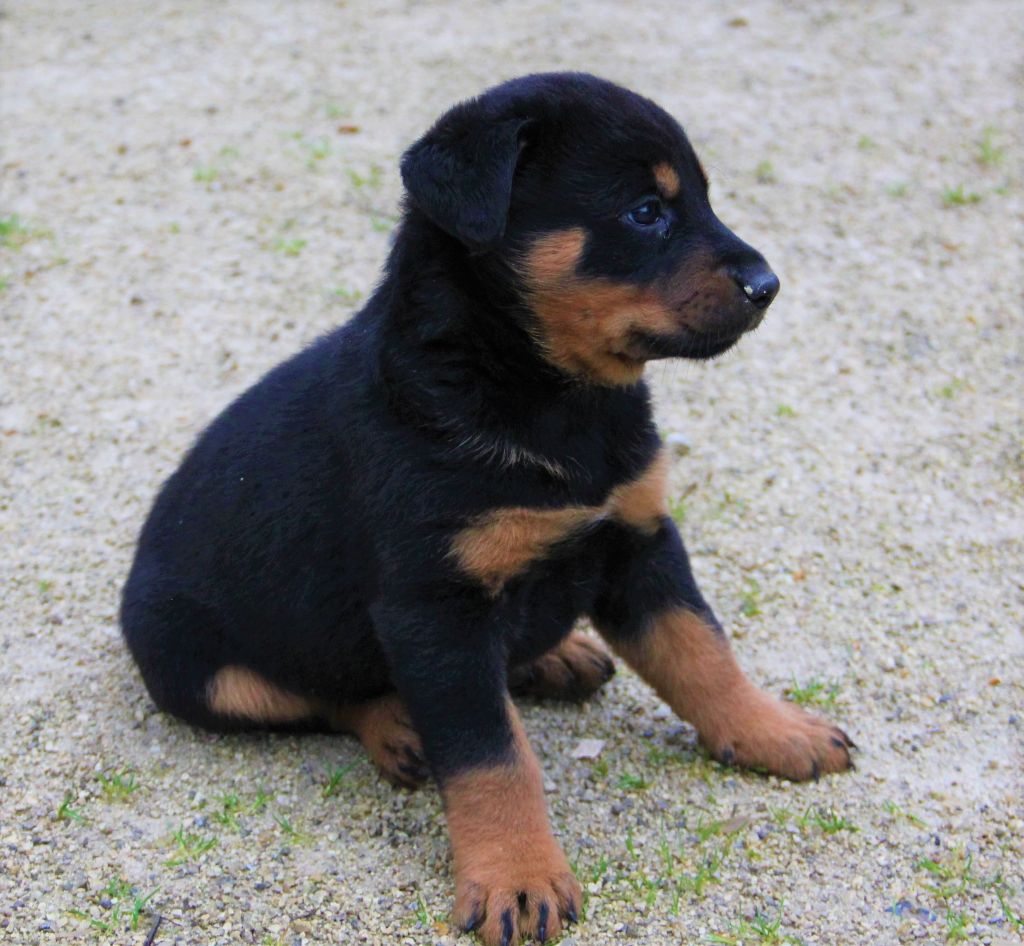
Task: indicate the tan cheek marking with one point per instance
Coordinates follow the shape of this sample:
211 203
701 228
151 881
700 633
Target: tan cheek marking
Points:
641 503
243 693
555 256
585 323
502 842
503 543
667 179
586 326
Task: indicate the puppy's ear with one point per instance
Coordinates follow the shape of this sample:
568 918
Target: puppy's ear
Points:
460 174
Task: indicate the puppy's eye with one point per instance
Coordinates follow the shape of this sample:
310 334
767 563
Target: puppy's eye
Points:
648 214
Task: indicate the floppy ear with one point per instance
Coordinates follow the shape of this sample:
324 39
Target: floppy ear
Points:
460 174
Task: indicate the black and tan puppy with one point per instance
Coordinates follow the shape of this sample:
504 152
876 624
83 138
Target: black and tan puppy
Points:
399 526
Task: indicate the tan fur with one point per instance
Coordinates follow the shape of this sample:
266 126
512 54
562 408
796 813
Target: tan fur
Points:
554 256
502 847
587 326
697 291
386 732
502 544
692 668
585 323
642 502
573 670
243 694
668 180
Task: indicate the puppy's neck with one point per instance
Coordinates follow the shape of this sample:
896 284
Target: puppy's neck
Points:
458 359
457 316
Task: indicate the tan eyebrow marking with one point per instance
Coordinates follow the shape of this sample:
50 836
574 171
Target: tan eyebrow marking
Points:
668 180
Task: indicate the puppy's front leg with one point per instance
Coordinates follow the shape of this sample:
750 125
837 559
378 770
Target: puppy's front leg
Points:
512 879
653 615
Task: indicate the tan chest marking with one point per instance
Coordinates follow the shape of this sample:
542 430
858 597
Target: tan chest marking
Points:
641 503
503 543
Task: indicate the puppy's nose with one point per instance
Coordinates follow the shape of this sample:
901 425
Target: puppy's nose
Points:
759 284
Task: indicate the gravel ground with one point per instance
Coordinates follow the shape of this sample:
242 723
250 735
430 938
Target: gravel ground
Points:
201 188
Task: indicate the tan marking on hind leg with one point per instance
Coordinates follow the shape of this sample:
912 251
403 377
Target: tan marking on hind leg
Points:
692 668
573 670
383 726
241 693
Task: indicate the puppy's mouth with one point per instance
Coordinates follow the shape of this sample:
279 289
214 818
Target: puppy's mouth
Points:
644 346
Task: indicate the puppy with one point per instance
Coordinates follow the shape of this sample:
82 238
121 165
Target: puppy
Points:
401 525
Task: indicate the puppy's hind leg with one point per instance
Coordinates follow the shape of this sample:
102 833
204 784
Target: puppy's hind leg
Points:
573 670
179 647
383 726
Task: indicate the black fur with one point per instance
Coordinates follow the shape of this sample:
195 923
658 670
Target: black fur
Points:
306 534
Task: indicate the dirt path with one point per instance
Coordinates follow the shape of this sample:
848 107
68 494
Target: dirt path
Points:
190 191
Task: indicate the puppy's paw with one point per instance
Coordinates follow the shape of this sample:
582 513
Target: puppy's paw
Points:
573 670
386 732
394 747
508 901
758 731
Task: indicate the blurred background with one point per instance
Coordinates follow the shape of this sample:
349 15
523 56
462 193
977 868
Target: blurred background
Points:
191 191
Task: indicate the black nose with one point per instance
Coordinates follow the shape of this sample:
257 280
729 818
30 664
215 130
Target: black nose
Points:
760 285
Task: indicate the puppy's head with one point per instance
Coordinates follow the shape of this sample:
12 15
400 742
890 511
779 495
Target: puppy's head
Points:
594 200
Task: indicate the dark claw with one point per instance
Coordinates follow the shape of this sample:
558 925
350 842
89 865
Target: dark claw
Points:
815 770
542 923
569 668
474 920
571 914
526 677
402 723
413 755
728 756
849 742
506 928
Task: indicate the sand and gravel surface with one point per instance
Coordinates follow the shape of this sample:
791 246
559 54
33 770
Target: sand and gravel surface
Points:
193 190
